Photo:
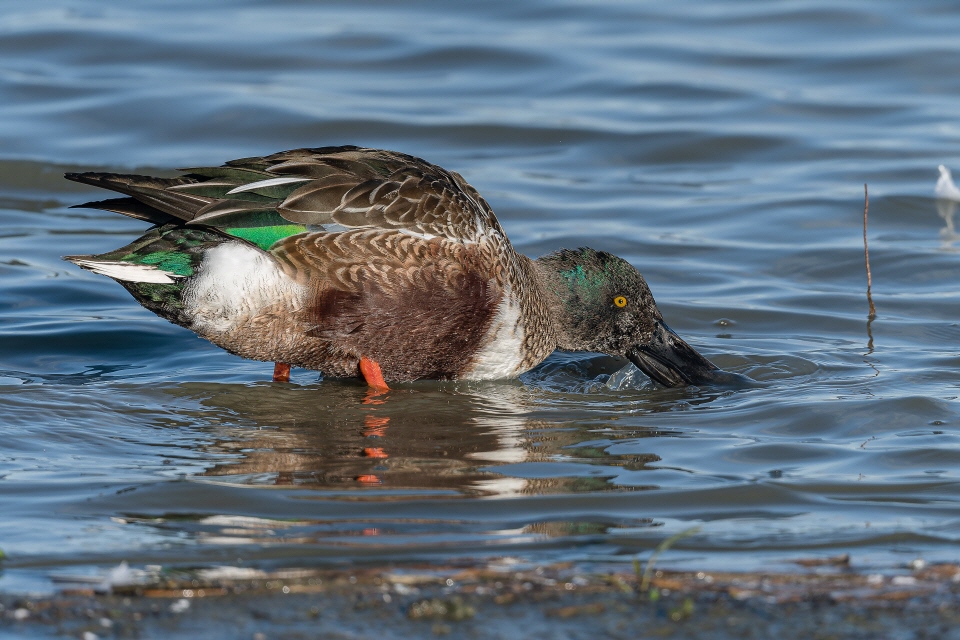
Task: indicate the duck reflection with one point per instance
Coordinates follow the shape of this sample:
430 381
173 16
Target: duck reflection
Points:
409 443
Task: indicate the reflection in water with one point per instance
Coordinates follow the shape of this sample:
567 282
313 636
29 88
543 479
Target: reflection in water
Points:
344 443
409 442
946 210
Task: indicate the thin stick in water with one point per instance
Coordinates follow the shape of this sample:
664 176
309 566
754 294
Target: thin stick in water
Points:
866 252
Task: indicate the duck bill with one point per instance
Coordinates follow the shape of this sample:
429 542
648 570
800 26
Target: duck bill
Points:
670 361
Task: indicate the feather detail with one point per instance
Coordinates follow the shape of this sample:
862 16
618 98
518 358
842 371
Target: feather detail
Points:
130 207
272 182
351 187
125 271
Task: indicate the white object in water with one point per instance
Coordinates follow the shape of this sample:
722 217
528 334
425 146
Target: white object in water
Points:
945 188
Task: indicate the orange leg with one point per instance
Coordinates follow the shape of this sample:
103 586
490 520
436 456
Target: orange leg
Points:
281 372
370 371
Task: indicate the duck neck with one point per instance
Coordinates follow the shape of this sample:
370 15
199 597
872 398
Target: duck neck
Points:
555 294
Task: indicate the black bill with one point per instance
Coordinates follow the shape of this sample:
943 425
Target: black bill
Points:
670 361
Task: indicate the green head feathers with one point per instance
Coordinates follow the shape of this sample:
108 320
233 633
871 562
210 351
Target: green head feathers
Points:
606 304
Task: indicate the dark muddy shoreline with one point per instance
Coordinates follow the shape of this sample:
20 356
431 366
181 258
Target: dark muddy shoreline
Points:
824 600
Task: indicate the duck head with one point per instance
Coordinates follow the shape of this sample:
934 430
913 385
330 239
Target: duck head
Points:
601 303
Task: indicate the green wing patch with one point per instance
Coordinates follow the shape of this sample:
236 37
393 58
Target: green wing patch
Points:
265 237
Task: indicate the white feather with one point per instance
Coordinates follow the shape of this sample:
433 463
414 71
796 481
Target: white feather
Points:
330 227
237 281
128 271
269 182
417 234
502 356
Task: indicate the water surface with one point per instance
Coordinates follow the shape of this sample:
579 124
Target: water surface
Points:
721 148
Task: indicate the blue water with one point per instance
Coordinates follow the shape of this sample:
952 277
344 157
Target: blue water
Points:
720 147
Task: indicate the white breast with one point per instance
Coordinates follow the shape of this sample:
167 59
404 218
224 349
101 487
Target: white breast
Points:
502 357
235 282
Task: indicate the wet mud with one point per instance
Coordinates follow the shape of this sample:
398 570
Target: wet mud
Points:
823 599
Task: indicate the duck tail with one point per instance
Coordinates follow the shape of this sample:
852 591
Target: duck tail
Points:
149 198
157 267
125 270
130 207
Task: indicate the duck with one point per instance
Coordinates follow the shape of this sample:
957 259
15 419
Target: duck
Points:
372 264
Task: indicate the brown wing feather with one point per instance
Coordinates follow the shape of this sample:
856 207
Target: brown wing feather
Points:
382 189
349 186
420 308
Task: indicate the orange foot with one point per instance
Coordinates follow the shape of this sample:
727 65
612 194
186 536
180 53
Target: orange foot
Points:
370 371
281 372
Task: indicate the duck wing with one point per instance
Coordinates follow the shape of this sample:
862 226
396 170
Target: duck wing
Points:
352 187
316 189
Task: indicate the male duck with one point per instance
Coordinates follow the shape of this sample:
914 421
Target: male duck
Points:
362 262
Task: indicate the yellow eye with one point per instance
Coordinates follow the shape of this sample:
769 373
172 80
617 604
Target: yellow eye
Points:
620 301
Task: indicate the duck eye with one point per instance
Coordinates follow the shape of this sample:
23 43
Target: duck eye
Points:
620 301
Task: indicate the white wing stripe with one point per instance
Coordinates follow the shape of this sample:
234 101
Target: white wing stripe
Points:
270 182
